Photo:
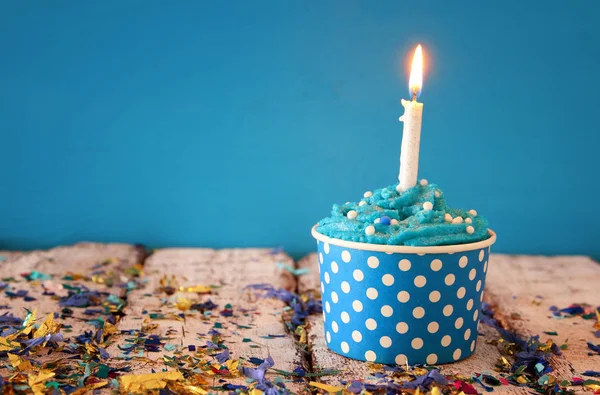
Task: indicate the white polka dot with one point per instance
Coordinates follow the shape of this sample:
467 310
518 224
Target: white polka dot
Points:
387 311
481 296
328 336
478 286
326 276
433 327
327 307
334 297
345 287
321 258
400 359
403 296
370 230
449 280
485 267
427 206
334 326
345 347
371 324
356 336
404 265
357 306
475 315
402 327
472 345
462 262
385 341
481 255
472 274
345 317
370 356
458 323
434 296
326 248
322 288
446 340
470 304
456 354
420 281
467 334
461 292
436 265
358 275
417 343
448 309
387 279
372 293
418 312
334 267
373 262
431 359
324 318
346 256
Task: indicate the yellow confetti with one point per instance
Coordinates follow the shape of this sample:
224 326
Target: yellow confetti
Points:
36 382
329 388
7 345
29 321
19 363
184 304
522 380
89 388
48 327
186 389
436 391
109 329
150 381
198 289
256 392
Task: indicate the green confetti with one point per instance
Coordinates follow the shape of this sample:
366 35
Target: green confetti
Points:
170 347
103 372
553 333
246 340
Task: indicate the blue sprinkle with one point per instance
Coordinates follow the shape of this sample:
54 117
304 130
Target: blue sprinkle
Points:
385 220
191 347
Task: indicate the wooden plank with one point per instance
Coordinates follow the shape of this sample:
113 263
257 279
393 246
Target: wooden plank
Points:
507 277
231 270
524 287
85 259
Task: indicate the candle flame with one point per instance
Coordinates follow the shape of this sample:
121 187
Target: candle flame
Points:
415 83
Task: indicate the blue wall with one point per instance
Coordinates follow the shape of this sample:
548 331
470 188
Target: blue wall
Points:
198 124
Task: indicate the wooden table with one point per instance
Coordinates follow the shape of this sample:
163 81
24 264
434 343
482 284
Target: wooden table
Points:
521 290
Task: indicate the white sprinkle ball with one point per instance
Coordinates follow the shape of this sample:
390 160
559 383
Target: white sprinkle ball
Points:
368 194
437 194
457 220
352 214
362 203
473 213
377 220
424 182
370 230
427 206
447 217
394 221
470 230
468 221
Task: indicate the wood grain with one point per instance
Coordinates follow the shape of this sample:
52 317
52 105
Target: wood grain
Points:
253 317
513 283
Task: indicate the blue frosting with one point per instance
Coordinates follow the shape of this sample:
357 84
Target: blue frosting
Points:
411 224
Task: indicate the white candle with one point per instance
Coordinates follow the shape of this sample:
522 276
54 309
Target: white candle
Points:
411 133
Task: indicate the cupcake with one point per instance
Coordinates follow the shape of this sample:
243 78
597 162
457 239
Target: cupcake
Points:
402 276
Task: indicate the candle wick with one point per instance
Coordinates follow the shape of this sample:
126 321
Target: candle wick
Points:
414 98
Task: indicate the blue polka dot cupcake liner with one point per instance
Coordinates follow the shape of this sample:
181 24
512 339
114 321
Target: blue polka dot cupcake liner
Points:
399 304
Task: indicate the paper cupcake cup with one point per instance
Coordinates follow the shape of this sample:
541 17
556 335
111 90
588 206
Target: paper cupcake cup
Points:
393 304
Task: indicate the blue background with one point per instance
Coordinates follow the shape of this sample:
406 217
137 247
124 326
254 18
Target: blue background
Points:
193 123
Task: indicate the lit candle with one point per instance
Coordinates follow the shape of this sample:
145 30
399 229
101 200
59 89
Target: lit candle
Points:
411 134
